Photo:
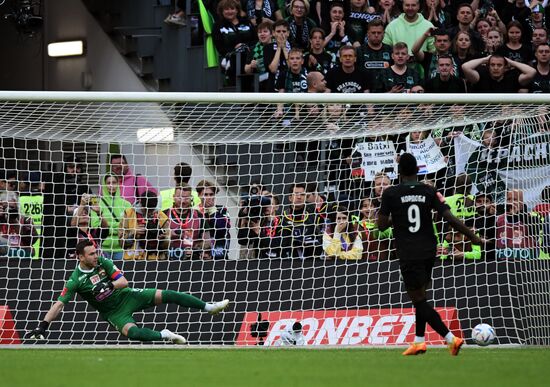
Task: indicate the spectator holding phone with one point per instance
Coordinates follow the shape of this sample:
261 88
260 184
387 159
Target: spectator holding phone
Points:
398 78
144 232
89 222
112 206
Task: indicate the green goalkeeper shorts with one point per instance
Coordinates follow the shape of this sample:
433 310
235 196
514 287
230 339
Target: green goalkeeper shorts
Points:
135 301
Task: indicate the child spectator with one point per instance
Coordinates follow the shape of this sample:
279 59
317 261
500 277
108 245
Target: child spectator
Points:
255 61
317 58
336 28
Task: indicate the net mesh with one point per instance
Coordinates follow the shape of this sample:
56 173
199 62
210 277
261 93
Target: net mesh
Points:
279 216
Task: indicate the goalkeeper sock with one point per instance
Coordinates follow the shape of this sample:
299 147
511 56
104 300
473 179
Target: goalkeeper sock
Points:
182 299
419 339
449 338
420 324
431 317
143 334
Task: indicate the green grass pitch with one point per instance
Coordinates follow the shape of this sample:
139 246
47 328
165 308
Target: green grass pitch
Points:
185 366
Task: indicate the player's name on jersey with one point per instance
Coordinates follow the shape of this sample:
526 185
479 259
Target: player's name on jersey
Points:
413 199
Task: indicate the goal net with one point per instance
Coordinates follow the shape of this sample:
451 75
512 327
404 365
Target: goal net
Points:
275 209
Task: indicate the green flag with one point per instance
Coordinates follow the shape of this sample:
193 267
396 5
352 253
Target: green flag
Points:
208 23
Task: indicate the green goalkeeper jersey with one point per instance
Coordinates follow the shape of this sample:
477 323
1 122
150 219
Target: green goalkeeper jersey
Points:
83 282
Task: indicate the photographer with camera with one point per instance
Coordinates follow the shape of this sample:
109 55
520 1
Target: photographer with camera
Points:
144 232
17 233
251 213
216 219
300 233
88 223
185 225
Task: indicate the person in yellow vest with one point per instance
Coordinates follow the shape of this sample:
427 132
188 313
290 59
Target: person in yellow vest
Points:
31 204
17 233
182 175
144 231
462 203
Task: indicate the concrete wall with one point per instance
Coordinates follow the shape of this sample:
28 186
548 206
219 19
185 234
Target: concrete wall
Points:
68 20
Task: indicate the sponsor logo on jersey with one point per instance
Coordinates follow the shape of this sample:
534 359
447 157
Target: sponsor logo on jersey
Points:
347 327
95 279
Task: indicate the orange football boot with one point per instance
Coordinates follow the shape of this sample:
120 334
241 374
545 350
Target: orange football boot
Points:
415 349
454 347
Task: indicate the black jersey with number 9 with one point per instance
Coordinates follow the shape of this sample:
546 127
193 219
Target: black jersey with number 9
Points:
410 205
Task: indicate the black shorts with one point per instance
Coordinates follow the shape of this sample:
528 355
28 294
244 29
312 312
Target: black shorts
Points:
416 273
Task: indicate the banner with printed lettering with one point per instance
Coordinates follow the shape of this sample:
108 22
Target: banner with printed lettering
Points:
428 155
377 156
523 164
373 327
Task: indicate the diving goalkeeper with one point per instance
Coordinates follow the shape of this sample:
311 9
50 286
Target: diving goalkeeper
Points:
99 282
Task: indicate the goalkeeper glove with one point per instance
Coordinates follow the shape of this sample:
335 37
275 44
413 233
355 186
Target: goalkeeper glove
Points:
102 287
39 333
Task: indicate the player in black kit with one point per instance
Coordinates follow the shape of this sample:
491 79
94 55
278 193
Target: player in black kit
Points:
410 206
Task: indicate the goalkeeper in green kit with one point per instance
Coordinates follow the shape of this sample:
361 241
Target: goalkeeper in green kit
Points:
99 282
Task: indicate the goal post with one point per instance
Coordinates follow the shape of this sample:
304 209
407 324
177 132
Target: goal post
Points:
271 178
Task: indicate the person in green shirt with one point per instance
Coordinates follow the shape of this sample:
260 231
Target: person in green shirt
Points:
112 206
103 286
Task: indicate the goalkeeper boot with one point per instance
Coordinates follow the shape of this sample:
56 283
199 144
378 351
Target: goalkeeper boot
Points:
173 337
415 349
217 307
454 346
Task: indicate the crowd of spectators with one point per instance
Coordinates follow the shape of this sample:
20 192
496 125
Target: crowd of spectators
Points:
299 46
381 46
127 220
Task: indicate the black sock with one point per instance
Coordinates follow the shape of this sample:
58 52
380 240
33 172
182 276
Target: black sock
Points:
420 323
431 317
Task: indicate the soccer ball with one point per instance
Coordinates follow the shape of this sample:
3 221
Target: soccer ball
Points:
483 334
